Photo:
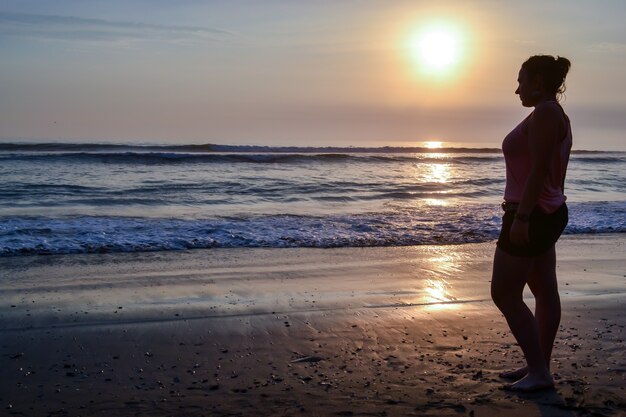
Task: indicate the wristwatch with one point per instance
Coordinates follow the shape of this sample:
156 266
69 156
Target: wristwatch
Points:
524 218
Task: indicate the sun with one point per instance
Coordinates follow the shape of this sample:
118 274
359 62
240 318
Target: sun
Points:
436 48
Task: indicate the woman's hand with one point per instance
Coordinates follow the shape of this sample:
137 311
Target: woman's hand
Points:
519 233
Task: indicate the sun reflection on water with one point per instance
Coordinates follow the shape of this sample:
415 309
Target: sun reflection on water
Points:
433 144
439 173
437 290
433 168
435 202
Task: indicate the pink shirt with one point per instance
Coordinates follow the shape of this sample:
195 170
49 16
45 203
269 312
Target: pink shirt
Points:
517 159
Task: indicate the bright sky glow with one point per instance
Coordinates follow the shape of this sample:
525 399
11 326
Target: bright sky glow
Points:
364 73
435 144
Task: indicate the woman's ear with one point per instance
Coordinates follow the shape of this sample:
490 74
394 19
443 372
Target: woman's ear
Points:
538 83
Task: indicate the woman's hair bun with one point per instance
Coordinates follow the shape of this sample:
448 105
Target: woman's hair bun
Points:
564 65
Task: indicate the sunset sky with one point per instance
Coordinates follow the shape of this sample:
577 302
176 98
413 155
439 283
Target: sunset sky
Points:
303 73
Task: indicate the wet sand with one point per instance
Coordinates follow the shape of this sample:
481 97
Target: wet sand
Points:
320 332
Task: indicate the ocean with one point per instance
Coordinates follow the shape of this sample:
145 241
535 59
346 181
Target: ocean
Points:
96 198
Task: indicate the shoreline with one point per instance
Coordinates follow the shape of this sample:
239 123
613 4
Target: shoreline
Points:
348 331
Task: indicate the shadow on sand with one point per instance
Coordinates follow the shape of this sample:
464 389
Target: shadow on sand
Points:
551 403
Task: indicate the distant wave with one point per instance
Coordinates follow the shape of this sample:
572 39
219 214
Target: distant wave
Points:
272 158
601 159
210 148
95 147
172 152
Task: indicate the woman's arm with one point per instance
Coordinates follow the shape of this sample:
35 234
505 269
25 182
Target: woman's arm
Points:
544 127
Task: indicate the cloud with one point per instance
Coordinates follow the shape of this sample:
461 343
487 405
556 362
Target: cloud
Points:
610 47
68 28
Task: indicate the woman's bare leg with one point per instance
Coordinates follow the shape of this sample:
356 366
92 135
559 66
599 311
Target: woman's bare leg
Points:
543 284
510 275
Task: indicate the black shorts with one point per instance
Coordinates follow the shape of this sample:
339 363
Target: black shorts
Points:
543 231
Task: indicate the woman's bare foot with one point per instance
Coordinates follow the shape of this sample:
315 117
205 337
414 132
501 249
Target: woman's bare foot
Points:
516 374
531 383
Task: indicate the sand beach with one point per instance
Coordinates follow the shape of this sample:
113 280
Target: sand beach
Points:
313 332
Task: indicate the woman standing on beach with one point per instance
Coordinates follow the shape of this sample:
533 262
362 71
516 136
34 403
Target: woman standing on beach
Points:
536 154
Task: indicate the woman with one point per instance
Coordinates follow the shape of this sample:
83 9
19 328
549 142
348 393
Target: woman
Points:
536 154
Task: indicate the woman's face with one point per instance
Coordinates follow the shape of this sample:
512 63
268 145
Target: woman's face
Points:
528 90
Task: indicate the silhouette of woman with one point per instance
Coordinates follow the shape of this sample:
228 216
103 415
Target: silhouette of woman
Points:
536 154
